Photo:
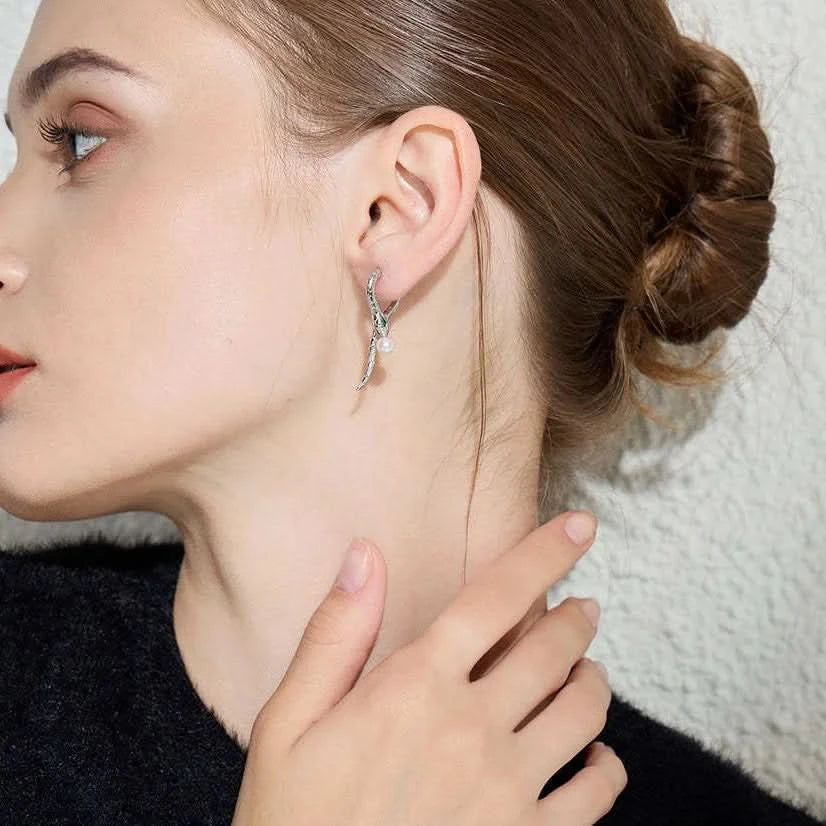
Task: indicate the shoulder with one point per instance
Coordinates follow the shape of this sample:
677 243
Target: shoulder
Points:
76 597
94 553
71 567
95 707
674 778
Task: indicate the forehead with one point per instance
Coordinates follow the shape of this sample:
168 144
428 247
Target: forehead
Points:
163 40
109 26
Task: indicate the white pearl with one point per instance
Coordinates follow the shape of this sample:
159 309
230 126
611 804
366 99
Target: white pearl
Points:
385 344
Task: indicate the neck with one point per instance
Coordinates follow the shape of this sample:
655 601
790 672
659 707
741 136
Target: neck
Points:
264 538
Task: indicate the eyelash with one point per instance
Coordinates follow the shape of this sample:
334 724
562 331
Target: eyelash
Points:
60 132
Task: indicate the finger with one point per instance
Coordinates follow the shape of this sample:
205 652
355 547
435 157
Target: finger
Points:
573 718
589 795
494 600
337 642
539 664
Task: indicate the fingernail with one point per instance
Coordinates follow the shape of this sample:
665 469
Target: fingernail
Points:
354 568
591 610
581 526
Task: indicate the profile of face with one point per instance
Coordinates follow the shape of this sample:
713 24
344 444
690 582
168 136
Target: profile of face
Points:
144 280
171 310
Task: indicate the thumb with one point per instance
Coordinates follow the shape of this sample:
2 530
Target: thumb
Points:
335 645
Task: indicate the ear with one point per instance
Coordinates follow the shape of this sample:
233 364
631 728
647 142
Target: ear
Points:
413 187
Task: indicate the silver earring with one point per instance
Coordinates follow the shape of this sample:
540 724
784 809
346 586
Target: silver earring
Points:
380 339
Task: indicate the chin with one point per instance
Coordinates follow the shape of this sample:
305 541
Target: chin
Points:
43 505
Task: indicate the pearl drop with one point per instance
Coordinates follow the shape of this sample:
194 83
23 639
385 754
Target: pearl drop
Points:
385 344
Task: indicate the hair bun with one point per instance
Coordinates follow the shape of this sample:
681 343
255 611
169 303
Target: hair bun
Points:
707 248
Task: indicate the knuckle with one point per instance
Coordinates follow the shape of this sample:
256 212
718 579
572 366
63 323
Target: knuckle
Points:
596 681
447 633
556 672
323 628
592 717
415 666
622 774
570 604
597 718
427 649
572 608
442 631
606 789
594 706
405 686
608 775
598 686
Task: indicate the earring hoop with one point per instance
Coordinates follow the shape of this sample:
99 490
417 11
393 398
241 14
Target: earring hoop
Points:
380 338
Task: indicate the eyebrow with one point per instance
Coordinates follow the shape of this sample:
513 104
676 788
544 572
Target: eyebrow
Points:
38 82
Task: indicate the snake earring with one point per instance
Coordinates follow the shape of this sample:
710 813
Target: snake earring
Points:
380 339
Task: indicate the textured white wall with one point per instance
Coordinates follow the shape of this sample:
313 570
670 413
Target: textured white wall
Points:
710 563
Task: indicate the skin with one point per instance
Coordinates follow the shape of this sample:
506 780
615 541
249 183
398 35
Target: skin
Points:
198 344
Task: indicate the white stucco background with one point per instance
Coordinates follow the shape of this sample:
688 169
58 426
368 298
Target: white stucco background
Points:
710 562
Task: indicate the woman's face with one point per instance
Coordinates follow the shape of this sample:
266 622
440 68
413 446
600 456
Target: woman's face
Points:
169 311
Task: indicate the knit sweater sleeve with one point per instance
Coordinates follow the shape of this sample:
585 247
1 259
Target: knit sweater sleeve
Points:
675 780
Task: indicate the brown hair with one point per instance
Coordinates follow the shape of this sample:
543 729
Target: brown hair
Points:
631 155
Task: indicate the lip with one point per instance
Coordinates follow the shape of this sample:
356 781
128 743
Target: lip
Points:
10 357
10 379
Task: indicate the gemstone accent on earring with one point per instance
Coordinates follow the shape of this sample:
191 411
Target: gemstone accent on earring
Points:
385 344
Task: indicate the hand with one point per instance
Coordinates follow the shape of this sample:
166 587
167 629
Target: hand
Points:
415 743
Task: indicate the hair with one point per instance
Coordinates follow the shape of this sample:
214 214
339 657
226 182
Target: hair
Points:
631 155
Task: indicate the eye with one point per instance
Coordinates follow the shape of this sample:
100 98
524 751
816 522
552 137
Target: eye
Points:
61 133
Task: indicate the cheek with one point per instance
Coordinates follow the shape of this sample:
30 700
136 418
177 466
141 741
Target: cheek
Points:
171 328
175 276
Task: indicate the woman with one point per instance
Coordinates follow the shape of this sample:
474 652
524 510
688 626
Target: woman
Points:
204 196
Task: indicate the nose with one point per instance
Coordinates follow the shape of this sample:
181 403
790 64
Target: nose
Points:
12 269
11 276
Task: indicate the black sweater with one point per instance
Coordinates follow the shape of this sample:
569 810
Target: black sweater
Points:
100 724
